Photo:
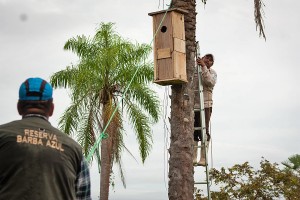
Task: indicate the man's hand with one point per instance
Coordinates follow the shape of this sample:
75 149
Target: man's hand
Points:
200 62
208 137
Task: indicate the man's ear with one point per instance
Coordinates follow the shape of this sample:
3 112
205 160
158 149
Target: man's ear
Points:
19 108
51 109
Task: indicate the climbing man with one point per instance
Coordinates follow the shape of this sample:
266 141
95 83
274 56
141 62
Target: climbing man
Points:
37 160
209 79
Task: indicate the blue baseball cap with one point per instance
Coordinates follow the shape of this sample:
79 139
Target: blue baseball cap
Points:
35 89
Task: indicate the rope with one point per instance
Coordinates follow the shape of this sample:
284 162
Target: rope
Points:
99 139
211 150
166 130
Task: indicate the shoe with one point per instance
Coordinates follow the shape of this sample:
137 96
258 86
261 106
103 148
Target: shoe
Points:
195 153
195 163
202 162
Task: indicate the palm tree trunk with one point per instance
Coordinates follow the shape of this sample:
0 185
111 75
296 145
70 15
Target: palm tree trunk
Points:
106 158
105 168
181 170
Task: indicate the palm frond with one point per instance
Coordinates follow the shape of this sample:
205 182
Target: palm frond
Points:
142 129
79 45
63 78
258 15
122 175
293 162
68 121
146 99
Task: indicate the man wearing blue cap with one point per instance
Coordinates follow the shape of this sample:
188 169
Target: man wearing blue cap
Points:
37 161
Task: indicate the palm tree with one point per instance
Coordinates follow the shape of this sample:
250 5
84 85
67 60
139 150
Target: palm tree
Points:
181 170
293 162
181 180
104 78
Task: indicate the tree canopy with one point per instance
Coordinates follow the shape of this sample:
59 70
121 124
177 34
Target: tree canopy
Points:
108 86
243 181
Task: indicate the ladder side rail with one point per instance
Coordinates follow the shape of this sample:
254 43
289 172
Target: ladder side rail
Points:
202 122
202 113
203 132
200 92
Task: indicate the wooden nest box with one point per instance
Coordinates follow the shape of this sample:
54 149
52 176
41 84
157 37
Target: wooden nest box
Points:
169 47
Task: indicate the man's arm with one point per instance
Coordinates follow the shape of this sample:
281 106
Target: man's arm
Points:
209 76
83 183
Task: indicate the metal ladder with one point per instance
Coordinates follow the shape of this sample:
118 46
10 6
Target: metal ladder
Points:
202 126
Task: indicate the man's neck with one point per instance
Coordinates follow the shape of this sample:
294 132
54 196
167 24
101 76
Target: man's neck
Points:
35 115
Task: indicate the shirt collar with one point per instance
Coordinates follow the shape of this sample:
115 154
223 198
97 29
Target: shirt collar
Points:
36 115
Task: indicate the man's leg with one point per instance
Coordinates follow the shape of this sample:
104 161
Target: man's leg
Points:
204 150
195 152
197 135
208 112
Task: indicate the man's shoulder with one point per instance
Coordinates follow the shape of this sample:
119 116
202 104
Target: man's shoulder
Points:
213 71
9 124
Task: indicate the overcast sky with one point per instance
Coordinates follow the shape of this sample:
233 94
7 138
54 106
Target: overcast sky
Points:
256 100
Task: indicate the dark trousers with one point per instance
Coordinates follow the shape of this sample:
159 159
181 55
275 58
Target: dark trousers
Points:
197 123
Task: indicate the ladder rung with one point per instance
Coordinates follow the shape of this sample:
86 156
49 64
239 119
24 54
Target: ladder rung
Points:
199 128
196 164
198 109
198 147
205 182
